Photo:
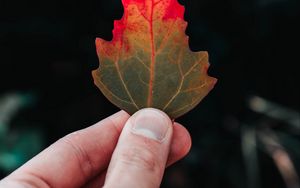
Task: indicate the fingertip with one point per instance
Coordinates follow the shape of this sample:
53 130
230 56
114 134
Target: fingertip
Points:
181 143
119 116
186 138
117 120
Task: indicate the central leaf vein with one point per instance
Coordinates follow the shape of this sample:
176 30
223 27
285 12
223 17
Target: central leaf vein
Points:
152 65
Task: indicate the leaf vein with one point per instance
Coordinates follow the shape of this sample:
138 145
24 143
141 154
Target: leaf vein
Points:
122 80
193 67
195 88
166 37
181 82
139 60
109 91
157 2
185 106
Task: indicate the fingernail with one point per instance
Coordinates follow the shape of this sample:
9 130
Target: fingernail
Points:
151 123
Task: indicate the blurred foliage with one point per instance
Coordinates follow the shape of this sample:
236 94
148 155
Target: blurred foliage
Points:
48 47
17 145
258 152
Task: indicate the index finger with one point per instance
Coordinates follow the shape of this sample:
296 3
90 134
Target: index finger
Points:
76 158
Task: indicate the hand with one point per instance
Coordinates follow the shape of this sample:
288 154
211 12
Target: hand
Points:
119 151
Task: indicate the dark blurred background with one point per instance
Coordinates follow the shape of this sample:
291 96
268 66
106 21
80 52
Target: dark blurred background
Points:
246 133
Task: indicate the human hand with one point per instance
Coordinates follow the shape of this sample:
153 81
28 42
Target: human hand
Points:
119 151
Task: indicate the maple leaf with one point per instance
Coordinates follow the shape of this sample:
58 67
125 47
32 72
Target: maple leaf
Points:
148 63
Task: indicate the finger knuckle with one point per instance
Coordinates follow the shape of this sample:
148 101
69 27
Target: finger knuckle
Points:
85 164
140 157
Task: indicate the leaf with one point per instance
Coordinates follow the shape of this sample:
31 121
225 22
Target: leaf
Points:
149 64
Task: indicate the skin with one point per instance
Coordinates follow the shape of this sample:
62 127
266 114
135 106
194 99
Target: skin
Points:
109 153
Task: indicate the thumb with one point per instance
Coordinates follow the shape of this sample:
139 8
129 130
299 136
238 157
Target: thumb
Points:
140 157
